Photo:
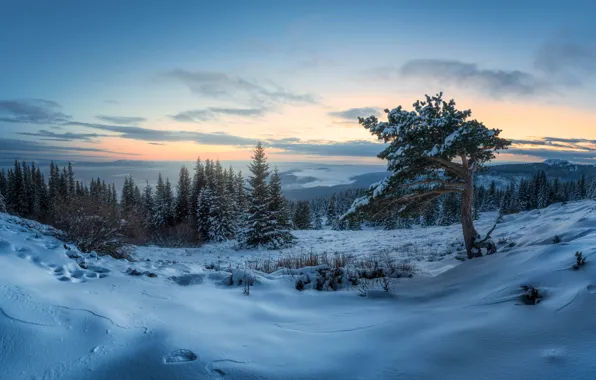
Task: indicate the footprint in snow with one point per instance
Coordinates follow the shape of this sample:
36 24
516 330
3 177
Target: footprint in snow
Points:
64 273
180 356
214 368
189 279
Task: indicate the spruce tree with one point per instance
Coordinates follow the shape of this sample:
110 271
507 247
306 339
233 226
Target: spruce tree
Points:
148 203
163 215
302 217
278 231
331 211
198 181
258 215
183 196
221 223
205 201
71 180
3 182
317 221
19 191
2 203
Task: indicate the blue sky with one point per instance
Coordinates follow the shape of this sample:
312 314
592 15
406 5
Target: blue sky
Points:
105 80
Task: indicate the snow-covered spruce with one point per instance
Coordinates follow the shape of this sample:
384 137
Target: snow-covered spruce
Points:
266 221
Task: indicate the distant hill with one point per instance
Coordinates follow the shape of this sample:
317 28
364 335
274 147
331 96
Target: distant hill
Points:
501 174
359 182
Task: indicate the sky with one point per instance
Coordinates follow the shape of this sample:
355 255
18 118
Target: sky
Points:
155 80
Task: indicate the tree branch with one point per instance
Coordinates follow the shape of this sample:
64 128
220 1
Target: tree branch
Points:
429 181
451 166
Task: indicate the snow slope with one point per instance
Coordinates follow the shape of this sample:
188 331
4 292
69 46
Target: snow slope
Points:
60 321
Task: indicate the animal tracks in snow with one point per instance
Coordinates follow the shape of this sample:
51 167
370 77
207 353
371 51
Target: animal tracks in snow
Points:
217 369
180 356
75 271
67 274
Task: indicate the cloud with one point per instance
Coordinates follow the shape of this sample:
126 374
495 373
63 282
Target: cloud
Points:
212 113
14 145
157 135
571 149
570 143
121 119
565 57
32 111
354 148
67 136
156 143
352 114
221 85
496 82
569 155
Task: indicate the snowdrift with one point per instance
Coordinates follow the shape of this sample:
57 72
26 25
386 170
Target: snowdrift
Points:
65 315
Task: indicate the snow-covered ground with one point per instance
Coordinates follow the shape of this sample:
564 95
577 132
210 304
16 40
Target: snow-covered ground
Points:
454 320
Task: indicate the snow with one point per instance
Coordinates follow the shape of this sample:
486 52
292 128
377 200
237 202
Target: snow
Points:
454 320
557 162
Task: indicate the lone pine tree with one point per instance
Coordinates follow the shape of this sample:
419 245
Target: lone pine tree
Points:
433 150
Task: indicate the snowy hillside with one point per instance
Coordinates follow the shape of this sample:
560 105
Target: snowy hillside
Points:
64 315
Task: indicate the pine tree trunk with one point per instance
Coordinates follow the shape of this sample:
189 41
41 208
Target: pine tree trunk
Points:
467 218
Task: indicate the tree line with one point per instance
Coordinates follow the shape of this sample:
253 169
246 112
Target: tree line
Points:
212 204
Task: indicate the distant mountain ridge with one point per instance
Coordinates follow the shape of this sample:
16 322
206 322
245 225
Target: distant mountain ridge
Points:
502 174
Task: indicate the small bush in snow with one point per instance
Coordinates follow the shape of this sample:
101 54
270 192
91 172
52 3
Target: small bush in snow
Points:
363 287
557 239
531 296
247 283
329 278
580 260
385 283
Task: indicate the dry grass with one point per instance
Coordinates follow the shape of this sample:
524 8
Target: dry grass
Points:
300 260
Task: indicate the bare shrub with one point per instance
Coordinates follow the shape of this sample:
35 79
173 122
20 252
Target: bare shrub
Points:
300 260
92 229
178 236
532 296
385 283
134 228
580 260
247 283
381 265
363 287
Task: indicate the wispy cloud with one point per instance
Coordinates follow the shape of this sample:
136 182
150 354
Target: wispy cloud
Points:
572 149
352 114
570 61
25 146
495 82
158 135
354 148
213 113
66 136
32 111
121 119
221 85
